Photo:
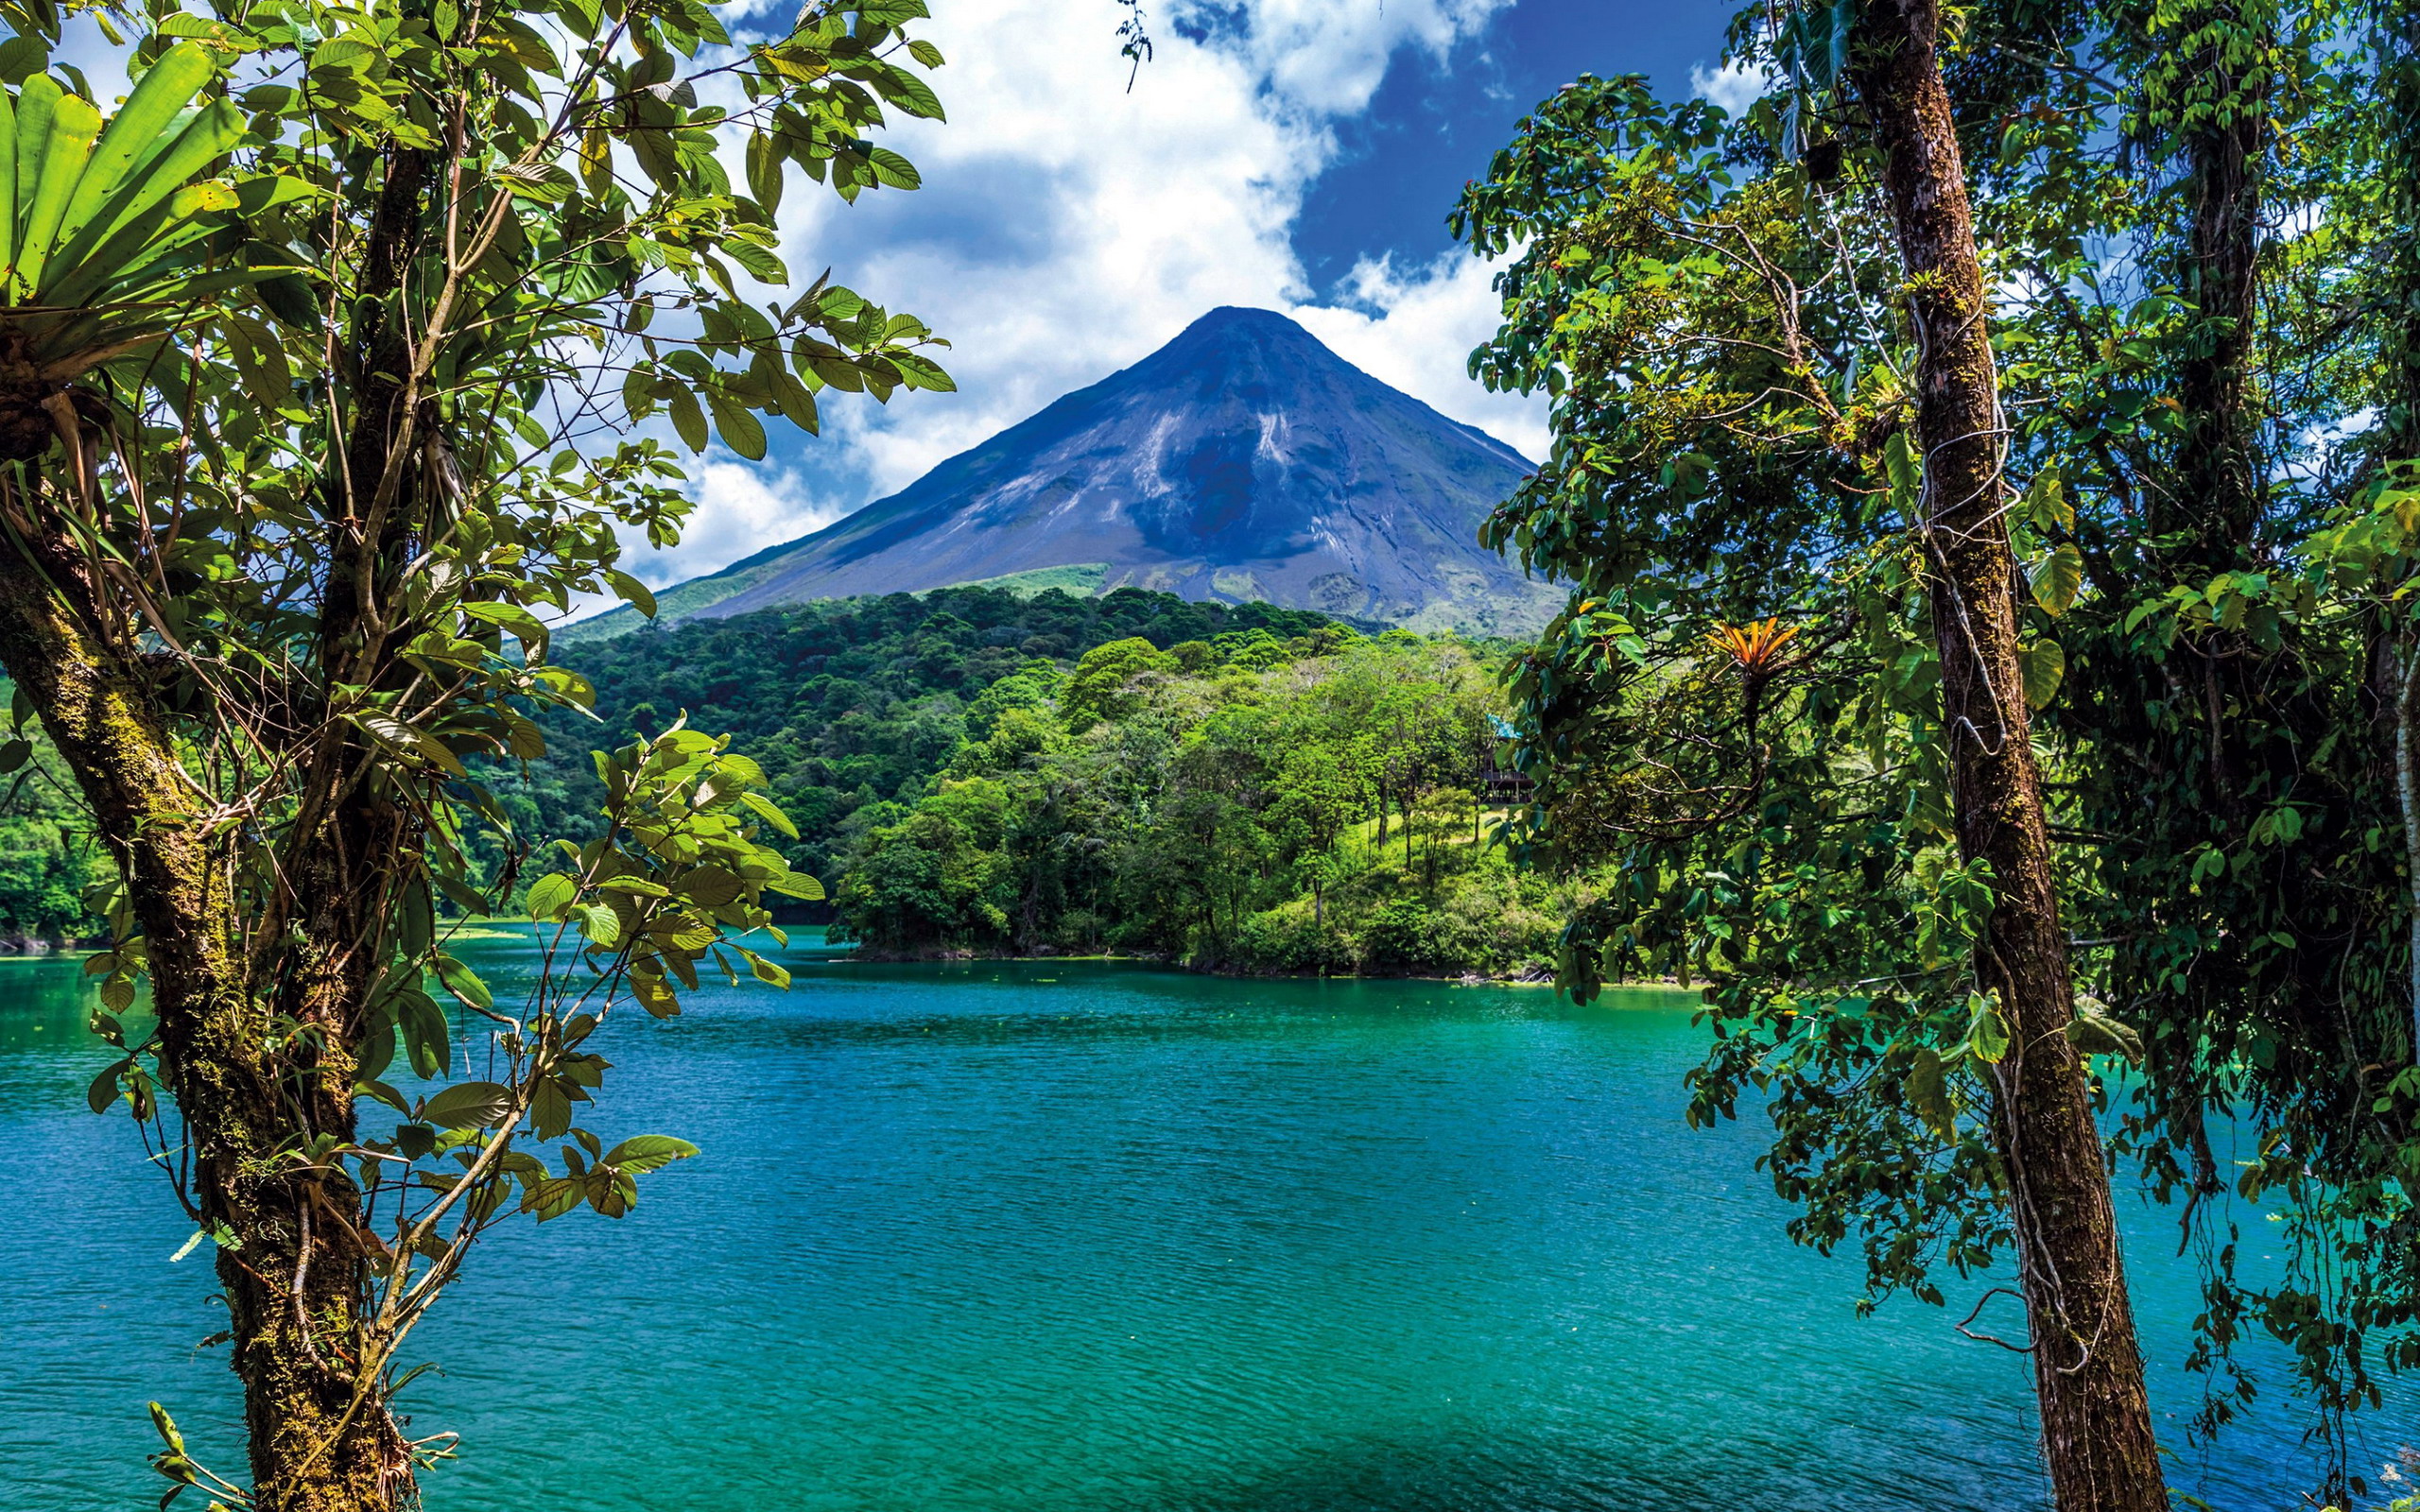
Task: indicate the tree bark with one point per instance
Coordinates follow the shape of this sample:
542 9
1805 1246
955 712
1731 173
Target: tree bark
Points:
294 1278
2096 1418
2399 427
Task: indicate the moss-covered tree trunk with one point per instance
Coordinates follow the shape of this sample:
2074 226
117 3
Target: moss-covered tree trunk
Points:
2398 97
2096 1419
293 1270
261 998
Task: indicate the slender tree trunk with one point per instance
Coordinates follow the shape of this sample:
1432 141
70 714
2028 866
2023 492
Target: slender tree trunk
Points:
2399 413
2407 791
2096 1418
2215 508
293 1279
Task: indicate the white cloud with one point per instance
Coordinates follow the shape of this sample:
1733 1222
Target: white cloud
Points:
1734 86
1067 228
742 508
1421 338
1328 55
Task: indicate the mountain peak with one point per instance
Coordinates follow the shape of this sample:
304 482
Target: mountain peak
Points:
1237 339
1247 321
1241 460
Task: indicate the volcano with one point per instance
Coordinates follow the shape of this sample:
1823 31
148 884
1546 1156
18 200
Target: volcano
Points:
1243 460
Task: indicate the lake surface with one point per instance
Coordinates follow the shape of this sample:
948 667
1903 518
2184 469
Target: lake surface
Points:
1085 1238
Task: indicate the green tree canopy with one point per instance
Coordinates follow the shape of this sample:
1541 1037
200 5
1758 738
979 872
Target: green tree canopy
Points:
327 363
2201 418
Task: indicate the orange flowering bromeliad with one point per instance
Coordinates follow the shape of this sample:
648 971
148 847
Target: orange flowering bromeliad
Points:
1756 647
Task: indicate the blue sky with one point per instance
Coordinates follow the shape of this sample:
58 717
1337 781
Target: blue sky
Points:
1435 119
1298 154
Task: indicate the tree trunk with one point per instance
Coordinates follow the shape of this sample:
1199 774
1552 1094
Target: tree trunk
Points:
2399 420
2217 506
2096 1418
294 1278
2405 714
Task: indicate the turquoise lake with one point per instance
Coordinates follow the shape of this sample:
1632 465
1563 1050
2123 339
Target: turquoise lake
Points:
1087 1238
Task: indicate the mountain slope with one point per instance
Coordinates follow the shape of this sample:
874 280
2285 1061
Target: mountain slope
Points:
1243 460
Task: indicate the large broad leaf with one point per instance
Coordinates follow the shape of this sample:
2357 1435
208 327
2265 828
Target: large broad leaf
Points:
468 1105
2058 578
647 1152
1928 1090
102 227
464 983
2044 665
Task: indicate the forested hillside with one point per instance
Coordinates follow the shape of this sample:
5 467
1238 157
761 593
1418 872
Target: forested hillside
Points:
974 771
979 772
46 856
848 702
1247 803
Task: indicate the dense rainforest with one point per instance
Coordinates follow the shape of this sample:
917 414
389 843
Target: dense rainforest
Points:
979 771
1311 805
845 703
1985 463
47 860
1235 786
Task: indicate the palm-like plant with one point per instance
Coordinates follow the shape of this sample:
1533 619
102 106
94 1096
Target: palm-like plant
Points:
104 237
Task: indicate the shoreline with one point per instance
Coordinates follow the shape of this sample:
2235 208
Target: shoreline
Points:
1539 979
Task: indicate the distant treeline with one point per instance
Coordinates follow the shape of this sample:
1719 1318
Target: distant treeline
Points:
48 858
978 770
1247 803
846 703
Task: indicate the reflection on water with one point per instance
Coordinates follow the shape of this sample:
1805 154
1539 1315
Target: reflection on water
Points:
1084 1238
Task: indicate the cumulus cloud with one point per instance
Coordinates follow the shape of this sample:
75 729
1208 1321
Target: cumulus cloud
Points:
742 507
1067 227
1734 86
1417 329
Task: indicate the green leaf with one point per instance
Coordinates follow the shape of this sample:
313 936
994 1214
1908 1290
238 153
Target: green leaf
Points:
74 125
1899 462
1928 1090
631 591
2043 665
741 431
642 1153
102 1094
761 263
166 87
2057 579
2046 505
912 95
468 1105
768 971
427 1040
551 895
410 740
688 418
771 812
464 983
1987 1034
525 625
600 925
544 183
894 170
796 885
